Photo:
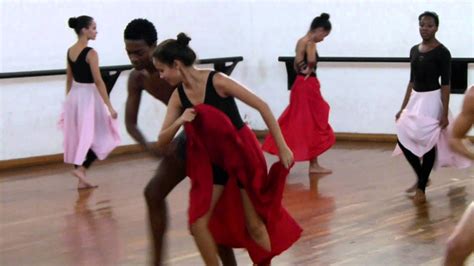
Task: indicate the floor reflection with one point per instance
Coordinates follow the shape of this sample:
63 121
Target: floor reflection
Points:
91 234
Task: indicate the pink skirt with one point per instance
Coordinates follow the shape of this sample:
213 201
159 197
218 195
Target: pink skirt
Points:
87 124
419 131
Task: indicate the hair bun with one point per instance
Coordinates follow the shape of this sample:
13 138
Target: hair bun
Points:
183 39
324 16
72 22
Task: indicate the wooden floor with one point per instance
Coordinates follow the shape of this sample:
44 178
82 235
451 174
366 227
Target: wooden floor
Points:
356 216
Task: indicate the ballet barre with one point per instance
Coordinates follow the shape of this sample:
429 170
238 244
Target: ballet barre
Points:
110 74
459 68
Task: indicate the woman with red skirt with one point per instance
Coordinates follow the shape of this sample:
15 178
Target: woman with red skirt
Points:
305 122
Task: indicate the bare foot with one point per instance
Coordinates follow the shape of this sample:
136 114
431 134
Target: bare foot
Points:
84 185
319 170
81 177
419 197
315 168
412 189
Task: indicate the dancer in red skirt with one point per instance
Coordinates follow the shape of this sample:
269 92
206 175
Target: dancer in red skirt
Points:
233 200
304 123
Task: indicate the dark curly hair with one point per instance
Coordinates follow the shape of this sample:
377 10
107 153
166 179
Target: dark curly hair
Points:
430 14
141 29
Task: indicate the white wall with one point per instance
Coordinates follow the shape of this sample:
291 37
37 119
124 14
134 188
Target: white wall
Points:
363 97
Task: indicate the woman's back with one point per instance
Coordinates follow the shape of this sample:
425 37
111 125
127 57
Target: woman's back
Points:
81 70
302 59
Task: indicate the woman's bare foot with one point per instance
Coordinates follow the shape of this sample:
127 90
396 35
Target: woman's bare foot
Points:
84 185
412 189
315 168
419 197
319 170
80 174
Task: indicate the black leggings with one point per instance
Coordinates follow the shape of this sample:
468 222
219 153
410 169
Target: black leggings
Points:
90 158
422 169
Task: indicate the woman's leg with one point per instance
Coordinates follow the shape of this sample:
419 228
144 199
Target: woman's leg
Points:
90 158
80 171
415 163
202 236
426 167
315 168
255 225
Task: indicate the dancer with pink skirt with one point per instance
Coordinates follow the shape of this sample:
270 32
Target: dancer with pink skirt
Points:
423 117
88 121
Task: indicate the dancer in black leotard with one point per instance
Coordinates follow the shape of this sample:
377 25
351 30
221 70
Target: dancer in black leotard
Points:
89 124
423 117
174 60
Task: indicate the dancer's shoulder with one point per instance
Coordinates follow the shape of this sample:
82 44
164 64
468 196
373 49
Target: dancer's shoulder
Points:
136 80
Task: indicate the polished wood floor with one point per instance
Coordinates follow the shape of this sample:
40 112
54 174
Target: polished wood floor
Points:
358 215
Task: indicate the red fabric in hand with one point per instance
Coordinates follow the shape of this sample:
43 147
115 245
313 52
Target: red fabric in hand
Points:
213 139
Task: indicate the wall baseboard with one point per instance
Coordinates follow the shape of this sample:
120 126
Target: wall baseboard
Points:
363 137
342 136
136 148
58 158
355 137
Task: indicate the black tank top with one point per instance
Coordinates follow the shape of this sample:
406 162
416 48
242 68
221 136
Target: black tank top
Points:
81 70
226 105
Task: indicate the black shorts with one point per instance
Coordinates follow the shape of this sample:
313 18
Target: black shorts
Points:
180 142
219 175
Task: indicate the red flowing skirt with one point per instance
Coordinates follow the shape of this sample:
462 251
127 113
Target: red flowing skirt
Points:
305 122
213 139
